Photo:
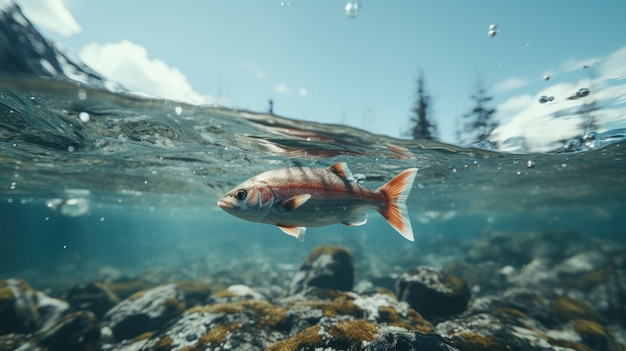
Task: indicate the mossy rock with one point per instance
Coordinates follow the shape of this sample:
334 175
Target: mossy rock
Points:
342 335
565 309
596 336
265 314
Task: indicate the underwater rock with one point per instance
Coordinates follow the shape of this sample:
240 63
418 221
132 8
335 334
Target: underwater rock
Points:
486 332
433 293
518 249
327 267
144 311
18 307
50 309
411 342
328 319
196 293
534 303
94 297
75 331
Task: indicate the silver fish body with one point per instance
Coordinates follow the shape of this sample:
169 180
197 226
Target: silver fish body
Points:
298 197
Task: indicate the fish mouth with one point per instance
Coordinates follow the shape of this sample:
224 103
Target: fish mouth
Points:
224 204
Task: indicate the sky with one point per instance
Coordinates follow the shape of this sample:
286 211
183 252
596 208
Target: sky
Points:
316 63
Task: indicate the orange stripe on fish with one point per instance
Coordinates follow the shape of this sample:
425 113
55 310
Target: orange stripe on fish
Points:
299 197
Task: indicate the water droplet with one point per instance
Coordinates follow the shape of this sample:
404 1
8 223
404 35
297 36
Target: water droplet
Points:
543 99
64 246
10 201
145 182
101 219
352 8
546 77
178 110
82 94
84 116
530 164
46 219
518 172
284 3
70 148
493 30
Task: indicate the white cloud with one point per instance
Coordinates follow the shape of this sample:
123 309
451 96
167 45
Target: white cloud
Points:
509 84
282 89
614 67
128 63
51 15
516 103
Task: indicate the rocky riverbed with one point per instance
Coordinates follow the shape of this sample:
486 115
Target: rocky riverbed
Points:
553 290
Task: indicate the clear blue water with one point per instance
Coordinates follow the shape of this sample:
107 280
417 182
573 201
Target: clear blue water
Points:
132 189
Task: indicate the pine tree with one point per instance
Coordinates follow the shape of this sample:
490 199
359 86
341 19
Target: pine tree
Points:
479 123
423 127
589 119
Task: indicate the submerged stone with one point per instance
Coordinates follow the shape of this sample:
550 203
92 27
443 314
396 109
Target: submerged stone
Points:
433 293
145 311
94 297
18 307
326 267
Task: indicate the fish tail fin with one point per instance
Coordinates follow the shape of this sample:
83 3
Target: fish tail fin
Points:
396 192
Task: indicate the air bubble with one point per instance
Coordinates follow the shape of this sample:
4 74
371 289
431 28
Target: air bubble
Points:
530 164
70 148
82 94
546 77
75 207
83 116
178 110
352 8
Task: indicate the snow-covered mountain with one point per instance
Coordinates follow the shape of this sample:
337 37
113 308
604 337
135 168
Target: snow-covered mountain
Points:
25 52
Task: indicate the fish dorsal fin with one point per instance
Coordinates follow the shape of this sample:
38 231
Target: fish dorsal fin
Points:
296 232
295 202
341 169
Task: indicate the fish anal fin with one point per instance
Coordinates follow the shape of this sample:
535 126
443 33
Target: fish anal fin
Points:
396 192
341 169
295 202
355 219
296 232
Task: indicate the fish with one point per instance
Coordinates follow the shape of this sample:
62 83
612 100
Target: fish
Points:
295 198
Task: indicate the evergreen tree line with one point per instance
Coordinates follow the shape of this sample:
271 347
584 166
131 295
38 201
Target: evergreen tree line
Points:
476 125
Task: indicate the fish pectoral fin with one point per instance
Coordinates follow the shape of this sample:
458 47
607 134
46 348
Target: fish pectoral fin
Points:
355 220
295 202
296 232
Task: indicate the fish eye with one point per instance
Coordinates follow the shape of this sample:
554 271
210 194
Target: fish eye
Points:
241 194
